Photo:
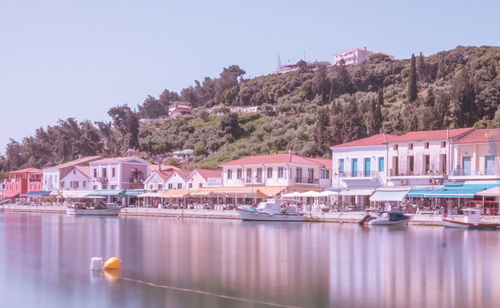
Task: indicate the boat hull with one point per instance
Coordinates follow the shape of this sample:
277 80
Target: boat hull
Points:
386 222
464 225
100 212
263 216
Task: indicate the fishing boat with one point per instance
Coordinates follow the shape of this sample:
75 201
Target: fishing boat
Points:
471 219
110 209
385 219
270 210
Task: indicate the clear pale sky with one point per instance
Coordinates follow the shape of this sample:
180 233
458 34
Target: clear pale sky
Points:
61 59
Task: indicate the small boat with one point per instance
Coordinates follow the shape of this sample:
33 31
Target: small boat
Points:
111 209
471 219
385 219
270 210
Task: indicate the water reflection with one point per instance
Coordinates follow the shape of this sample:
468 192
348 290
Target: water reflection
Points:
302 264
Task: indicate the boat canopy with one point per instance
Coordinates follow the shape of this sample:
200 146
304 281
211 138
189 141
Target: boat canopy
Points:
108 192
385 195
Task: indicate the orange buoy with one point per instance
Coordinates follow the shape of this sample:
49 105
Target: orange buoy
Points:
112 263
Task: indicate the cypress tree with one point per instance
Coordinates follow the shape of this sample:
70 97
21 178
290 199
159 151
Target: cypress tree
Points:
380 94
412 80
374 118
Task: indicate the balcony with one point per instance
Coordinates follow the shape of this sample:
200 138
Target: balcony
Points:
100 179
306 181
255 180
358 174
417 175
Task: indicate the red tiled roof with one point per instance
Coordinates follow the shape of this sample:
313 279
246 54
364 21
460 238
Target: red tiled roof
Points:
432 135
80 161
323 161
379 139
183 173
27 170
209 173
481 135
85 170
153 168
271 159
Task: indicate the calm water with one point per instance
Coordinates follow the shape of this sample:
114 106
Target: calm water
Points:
44 262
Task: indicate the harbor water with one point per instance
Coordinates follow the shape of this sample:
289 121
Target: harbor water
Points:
169 262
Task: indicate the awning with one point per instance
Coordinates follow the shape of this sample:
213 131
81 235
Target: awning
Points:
419 192
133 192
75 194
108 192
150 195
385 195
459 191
357 192
202 193
36 194
271 190
180 193
492 192
11 195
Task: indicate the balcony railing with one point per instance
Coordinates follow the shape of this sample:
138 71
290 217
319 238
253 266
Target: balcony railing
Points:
470 172
100 179
254 180
306 181
358 174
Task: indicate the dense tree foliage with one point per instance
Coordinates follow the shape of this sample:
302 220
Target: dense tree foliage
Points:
306 110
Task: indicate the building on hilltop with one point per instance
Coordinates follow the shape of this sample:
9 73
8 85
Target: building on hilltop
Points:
179 108
355 56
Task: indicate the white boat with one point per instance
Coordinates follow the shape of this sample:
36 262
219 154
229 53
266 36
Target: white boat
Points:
471 219
386 219
111 209
270 210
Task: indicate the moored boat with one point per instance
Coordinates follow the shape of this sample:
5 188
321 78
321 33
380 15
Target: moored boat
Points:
386 219
270 210
111 209
471 219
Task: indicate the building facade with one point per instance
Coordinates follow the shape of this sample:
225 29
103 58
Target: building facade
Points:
200 178
353 56
77 178
119 173
286 170
22 182
53 176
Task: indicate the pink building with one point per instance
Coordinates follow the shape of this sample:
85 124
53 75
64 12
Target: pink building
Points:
119 173
22 182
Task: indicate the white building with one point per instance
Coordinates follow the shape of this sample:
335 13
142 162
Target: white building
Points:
53 176
177 180
353 56
200 178
77 178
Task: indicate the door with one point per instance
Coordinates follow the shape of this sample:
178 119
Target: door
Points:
354 167
466 165
367 167
490 165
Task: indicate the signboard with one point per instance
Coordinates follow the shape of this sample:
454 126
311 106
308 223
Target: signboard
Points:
214 181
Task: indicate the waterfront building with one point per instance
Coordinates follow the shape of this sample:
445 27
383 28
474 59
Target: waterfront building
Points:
177 180
119 173
22 182
200 178
476 156
2 187
421 157
359 168
287 172
76 170
388 167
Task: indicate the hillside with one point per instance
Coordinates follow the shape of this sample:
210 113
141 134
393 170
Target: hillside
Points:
306 111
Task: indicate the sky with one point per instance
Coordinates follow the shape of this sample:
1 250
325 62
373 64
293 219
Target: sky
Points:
61 59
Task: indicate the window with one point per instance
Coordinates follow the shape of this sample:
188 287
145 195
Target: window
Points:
298 175
381 164
170 186
249 173
341 165
95 173
190 185
443 144
426 145
281 172
62 184
179 185
259 173
325 174
200 185
74 171
160 186
310 175
410 146
113 172
354 167
395 147
269 173
113 186
84 184
94 187
229 174
239 174
104 173
150 186
489 165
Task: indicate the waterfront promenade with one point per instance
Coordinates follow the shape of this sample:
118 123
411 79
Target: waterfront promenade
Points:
335 217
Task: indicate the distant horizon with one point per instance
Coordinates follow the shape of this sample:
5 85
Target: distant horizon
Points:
80 59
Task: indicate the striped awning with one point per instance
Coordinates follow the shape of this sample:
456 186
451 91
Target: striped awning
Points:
36 194
175 193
